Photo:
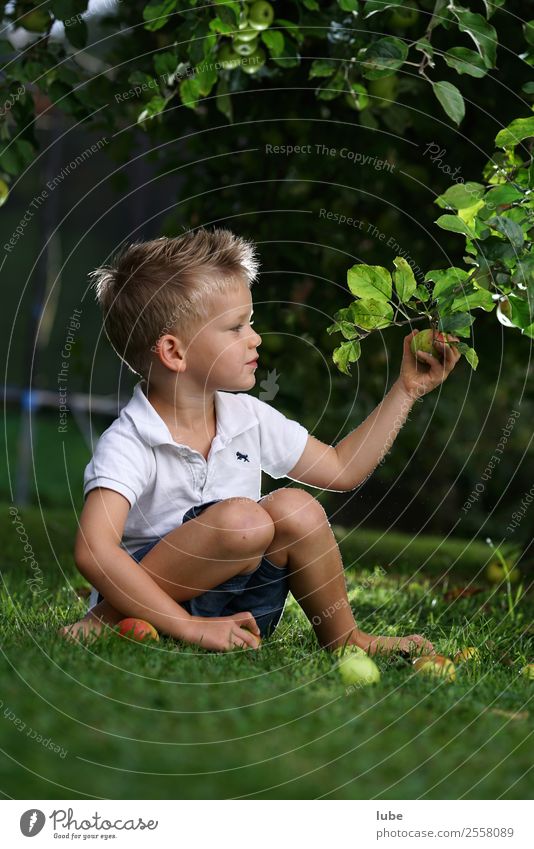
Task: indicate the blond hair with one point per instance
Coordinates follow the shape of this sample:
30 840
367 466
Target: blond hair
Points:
166 285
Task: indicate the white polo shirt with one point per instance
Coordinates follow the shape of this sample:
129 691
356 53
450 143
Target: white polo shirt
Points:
162 479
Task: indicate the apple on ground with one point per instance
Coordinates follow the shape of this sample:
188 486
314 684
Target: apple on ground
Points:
469 653
246 628
358 669
436 666
137 629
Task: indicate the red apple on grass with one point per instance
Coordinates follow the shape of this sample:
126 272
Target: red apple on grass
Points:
137 629
436 666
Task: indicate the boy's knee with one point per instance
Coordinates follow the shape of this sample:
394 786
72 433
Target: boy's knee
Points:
244 524
295 511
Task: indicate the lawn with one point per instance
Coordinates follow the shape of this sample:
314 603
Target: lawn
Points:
117 720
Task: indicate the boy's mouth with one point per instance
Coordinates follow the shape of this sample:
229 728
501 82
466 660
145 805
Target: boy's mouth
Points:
252 362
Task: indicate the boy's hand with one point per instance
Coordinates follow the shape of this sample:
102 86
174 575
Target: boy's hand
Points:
224 633
414 377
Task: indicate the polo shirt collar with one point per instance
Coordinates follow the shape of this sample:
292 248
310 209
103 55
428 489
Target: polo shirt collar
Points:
232 418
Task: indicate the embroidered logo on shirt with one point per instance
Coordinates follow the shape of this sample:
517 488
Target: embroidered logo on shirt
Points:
243 457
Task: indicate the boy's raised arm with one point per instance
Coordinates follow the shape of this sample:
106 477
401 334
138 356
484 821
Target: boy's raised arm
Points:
120 579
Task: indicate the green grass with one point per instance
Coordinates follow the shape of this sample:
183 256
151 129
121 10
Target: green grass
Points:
171 721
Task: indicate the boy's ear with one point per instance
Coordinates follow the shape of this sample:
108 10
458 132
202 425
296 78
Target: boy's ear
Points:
170 351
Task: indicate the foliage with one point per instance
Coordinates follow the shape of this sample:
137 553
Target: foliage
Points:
196 55
497 220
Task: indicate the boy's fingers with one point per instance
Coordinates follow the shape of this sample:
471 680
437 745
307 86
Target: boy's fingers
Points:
245 638
246 619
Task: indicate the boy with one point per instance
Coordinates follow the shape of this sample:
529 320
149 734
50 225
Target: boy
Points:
173 528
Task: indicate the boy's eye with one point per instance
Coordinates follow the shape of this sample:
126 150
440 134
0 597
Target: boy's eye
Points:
239 326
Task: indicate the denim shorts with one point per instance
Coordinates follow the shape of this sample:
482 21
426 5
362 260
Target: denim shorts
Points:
262 592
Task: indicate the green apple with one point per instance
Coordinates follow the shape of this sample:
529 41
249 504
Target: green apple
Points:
383 92
36 20
254 62
528 671
436 666
247 34
245 48
469 653
423 341
228 58
405 15
358 669
261 15
496 574
4 192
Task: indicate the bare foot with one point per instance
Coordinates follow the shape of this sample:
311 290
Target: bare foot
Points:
412 644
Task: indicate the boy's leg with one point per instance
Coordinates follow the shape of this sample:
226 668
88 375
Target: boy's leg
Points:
304 541
227 539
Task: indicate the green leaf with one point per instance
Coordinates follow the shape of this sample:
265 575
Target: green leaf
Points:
347 328
154 107
206 77
454 225
508 228
369 281
77 33
165 64
461 195
454 322
371 313
332 88
348 5
528 32
157 13
274 40
465 61
224 27
189 93
348 352
507 193
383 57
451 100
405 283
322 68
422 293
445 281
481 298
469 353
482 33
521 128
291 27
290 57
